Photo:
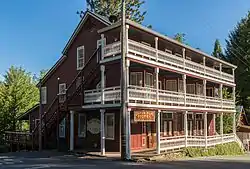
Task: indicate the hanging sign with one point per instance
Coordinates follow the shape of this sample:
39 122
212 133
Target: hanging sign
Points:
144 116
93 126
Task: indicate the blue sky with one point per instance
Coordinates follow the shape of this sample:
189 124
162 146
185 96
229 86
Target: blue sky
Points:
33 32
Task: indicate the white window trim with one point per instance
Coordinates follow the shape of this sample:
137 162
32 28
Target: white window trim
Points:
60 86
105 126
62 124
44 95
77 59
79 134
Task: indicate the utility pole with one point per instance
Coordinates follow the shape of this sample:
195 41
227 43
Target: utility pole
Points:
40 117
125 153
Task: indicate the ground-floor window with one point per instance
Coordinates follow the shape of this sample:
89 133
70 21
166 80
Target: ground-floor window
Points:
167 123
82 125
110 126
62 129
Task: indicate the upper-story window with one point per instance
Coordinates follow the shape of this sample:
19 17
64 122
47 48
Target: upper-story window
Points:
44 95
62 92
171 85
80 57
149 80
136 78
191 88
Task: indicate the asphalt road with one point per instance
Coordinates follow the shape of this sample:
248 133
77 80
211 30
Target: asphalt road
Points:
35 160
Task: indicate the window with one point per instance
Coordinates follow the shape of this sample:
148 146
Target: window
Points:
171 85
82 125
190 116
62 88
62 129
191 88
199 116
199 89
110 126
180 86
62 92
149 80
44 95
136 78
167 123
160 85
209 91
80 57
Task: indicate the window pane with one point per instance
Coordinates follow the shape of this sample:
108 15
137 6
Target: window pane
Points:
109 126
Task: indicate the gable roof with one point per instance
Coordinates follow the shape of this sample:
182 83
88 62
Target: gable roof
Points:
70 41
79 26
25 115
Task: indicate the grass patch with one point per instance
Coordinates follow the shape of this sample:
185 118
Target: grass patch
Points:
221 149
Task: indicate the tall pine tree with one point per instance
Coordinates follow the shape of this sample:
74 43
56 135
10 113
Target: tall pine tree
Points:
238 52
217 50
113 7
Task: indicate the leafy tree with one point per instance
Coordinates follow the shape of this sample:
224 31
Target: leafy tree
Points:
180 37
217 50
238 52
113 7
18 93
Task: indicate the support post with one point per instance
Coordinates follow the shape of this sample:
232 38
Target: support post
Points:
184 87
184 56
234 124
156 47
102 83
158 131
221 126
102 46
124 86
205 91
127 76
205 128
128 134
102 111
214 120
157 84
221 95
185 127
72 130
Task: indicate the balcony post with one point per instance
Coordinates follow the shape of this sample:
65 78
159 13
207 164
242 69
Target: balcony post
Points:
128 127
158 131
127 77
214 120
205 128
234 94
72 130
184 77
156 47
185 127
204 64
102 84
234 124
157 84
221 95
102 46
184 56
102 111
221 126
205 91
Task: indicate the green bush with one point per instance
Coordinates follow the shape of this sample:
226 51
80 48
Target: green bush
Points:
221 149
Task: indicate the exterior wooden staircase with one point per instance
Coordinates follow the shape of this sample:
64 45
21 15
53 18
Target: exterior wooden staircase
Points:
59 108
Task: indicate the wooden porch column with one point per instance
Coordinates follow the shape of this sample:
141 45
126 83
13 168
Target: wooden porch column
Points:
214 120
205 128
221 126
157 84
128 126
156 47
127 77
221 95
158 131
102 83
102 111
184 77
234 124
185 127
102 45
71 130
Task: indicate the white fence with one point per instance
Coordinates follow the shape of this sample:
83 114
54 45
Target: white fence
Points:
169 143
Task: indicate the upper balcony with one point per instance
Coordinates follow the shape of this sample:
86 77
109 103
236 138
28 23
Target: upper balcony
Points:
151 48
166 60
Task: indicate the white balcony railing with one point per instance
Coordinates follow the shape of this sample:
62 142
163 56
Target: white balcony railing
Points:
169 143
171 61
144 95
